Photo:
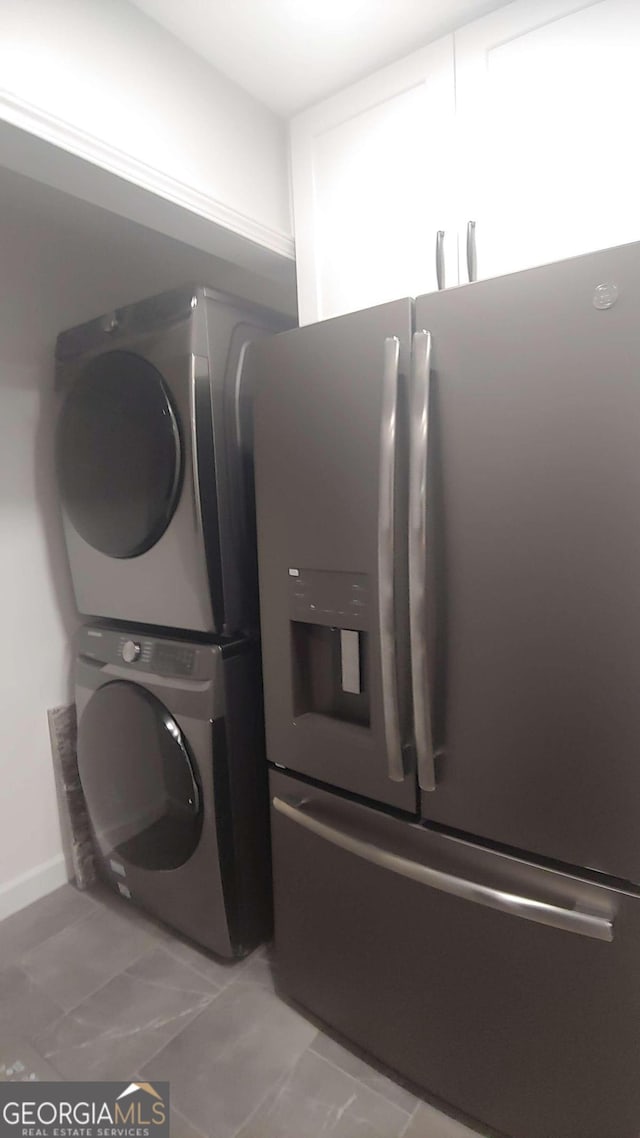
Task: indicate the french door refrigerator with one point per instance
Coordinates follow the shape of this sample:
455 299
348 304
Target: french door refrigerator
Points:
448 495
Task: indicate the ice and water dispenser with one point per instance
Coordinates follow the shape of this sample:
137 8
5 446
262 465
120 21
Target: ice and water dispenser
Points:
329 615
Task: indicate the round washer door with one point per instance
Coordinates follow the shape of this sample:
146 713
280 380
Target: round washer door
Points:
138 778
119 455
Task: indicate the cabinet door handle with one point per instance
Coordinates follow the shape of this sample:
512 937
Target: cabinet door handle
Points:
440 258
472 259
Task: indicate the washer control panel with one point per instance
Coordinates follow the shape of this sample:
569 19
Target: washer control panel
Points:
135 651
175 659
130 651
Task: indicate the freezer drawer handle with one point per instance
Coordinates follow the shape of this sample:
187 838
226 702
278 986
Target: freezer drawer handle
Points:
420 376
570 920
386 560
472 259
440 258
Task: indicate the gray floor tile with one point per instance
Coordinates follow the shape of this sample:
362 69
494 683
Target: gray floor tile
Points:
43 919
21 1063
221 972
160 968
77 961
224 1064
319 1099
428 1122
103 991
114 1032
354 1063
25 1008
180 1128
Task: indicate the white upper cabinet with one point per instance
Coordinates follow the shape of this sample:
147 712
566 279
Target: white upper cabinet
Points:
532 137
547 99
373 184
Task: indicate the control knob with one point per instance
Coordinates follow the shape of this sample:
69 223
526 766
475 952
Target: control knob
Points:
130 651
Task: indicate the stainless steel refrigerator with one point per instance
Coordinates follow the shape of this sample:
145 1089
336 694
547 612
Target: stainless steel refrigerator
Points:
448 495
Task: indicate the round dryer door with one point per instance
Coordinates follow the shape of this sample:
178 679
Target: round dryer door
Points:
119 457
138 778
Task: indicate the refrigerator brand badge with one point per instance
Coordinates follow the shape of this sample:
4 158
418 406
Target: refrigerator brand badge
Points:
605 295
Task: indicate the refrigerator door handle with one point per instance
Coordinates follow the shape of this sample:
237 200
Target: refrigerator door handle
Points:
570 920
386 560
419 437
440 258
472 260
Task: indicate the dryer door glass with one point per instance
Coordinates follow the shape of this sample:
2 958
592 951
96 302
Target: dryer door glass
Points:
138 778
119 458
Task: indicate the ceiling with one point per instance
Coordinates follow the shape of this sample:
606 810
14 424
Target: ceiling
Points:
292 53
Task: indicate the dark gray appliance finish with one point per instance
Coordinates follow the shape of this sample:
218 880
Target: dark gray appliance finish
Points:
171 761
154 461
327 431
533 1028
535 420
516 562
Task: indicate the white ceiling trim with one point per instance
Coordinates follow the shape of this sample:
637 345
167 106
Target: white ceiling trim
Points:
36 121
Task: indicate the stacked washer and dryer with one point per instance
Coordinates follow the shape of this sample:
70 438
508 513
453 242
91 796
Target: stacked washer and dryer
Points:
154 467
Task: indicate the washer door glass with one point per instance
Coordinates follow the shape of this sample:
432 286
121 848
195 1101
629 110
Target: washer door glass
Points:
138 778
119 458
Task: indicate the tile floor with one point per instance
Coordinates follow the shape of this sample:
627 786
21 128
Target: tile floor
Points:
90 988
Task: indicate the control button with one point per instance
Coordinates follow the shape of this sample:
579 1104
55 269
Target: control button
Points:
130 651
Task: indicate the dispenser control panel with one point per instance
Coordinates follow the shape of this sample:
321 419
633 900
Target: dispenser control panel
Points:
319 596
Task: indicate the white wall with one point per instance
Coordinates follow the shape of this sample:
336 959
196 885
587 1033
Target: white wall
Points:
124 92
61 262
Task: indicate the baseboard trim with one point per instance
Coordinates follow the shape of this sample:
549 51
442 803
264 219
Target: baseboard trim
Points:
32 885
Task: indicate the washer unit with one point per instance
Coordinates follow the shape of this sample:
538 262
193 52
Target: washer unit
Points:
171 760
153 461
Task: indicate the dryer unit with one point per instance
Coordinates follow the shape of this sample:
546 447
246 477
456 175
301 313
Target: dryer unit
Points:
154 465
171 760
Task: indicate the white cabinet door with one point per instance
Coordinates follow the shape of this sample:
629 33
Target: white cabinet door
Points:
548 97
373 183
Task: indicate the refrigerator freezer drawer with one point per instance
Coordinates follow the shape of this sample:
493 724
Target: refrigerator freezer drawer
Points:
510 990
